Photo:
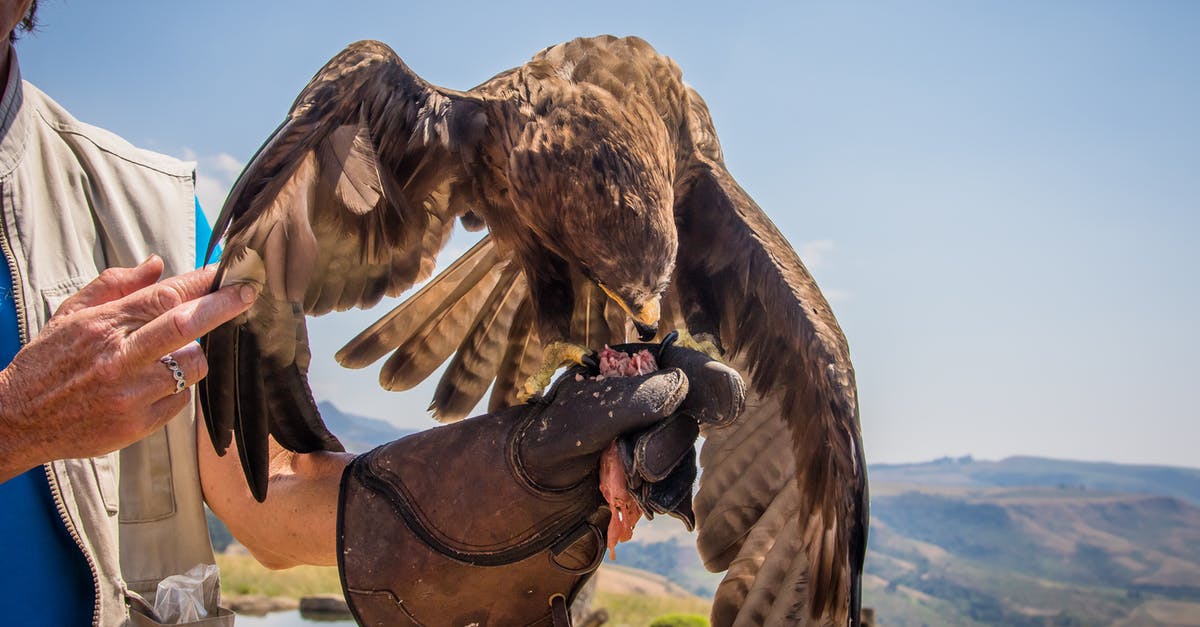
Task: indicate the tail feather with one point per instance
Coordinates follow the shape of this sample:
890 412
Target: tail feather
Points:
479 356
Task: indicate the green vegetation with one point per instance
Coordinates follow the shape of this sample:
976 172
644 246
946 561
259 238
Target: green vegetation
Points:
680 620
635 610
241 574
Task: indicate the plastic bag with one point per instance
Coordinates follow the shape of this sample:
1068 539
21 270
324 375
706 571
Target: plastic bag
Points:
188 597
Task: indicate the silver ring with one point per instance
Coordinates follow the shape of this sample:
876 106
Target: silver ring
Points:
176 371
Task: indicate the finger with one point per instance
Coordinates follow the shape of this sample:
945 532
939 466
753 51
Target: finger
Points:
590 414
155 300
637 402
585 416
189 361
166 408
717 393
113 284
652 454
188 321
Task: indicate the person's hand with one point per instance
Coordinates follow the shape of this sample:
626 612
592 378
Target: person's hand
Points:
93 381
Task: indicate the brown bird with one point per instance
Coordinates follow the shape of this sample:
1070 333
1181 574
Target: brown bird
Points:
598 175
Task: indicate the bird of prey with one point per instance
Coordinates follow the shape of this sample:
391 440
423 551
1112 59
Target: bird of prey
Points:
598 175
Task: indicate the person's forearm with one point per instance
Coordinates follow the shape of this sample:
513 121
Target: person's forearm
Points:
297 524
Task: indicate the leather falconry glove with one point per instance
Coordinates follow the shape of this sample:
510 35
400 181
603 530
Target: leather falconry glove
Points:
498 519
660 460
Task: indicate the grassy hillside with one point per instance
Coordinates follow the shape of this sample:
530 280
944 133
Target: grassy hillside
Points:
240 574
632 598
1031 556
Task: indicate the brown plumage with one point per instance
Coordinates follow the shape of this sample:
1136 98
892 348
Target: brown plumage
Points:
599 177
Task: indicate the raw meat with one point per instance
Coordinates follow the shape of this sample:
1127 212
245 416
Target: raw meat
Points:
625 510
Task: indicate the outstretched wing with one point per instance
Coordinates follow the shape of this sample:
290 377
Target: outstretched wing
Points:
351 198
782 503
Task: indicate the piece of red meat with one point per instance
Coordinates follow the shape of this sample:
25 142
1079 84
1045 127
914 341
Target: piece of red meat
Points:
625 510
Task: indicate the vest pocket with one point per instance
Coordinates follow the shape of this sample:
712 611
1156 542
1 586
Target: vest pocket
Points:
106 480
60 291
147 488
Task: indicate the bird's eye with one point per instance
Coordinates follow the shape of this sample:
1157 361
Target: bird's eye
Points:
587 272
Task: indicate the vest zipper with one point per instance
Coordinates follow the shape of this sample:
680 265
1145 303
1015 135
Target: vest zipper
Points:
61 506
18 293
51 479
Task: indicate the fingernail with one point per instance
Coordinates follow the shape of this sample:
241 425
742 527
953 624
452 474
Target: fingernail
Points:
248 294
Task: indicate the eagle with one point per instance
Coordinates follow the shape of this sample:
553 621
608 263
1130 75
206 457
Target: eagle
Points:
597 173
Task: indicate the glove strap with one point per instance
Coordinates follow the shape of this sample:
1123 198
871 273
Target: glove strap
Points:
559 612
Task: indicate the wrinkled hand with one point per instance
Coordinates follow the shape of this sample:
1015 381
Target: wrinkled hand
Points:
91 382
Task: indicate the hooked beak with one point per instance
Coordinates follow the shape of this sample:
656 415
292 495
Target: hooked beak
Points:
645 332
645 320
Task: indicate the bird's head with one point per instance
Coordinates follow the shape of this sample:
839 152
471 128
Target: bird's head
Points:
595 182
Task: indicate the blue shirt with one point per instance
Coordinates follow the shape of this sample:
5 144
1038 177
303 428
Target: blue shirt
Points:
44 578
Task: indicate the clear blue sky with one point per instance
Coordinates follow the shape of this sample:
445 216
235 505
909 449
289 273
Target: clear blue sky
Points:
1001 199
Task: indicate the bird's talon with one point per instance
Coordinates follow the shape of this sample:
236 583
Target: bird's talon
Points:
556 354
702 342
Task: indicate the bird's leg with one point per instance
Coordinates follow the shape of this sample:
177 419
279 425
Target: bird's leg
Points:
556 354
704 342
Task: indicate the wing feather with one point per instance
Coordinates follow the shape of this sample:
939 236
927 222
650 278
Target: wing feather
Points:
748 592
739 279
521 358
350 199
479 355
401 323
734 494
439 335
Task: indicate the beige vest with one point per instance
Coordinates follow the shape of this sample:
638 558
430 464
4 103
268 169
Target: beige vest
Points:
75 200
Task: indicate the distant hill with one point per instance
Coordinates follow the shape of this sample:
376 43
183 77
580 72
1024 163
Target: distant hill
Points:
1021 541
1033 541
1181 483
359 434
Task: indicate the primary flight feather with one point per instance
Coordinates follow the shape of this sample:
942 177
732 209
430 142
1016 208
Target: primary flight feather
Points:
599 177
